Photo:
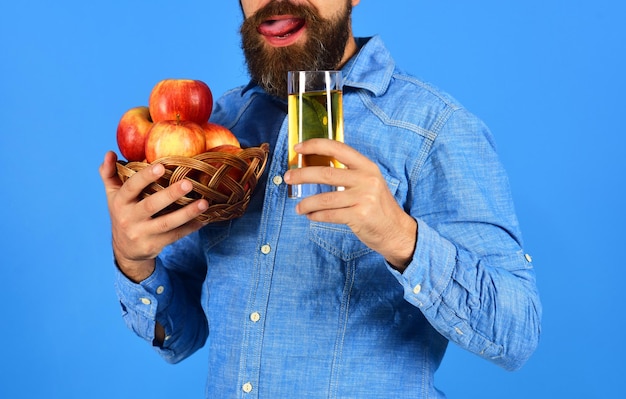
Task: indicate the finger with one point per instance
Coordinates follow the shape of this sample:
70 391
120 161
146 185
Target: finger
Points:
321 175
181 221
342 152
164 198
133 187
335 216
325 201
108 170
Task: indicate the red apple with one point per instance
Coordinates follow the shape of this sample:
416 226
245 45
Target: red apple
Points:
231 148
167 138
181 99
216 135
132 131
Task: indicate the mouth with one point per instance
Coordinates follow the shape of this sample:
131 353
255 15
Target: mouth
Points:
282 30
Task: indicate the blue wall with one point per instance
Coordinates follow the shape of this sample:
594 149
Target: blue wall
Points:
547 77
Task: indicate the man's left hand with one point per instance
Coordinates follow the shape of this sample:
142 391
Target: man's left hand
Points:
365 205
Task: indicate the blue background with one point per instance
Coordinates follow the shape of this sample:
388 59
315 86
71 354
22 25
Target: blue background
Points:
546 76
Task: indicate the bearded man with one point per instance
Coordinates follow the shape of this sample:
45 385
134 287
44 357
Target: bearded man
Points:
345 294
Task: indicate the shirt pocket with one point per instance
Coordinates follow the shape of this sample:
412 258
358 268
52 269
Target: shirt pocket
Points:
338 239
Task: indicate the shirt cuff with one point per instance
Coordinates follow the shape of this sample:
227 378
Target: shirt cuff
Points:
430 271
148 297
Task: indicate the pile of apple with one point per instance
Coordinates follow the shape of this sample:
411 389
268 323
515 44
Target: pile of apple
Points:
175 122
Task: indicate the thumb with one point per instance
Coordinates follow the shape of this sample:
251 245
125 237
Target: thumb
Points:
108 171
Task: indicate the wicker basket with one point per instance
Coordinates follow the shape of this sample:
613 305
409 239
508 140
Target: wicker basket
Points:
225 180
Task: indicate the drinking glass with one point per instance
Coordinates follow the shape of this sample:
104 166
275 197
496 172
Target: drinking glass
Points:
315 111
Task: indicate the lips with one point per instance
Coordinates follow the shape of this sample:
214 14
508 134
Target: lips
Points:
281 27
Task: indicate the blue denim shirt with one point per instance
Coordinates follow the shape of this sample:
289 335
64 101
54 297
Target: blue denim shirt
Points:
293 308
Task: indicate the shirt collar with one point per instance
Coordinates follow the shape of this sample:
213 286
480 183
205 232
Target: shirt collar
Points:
370 68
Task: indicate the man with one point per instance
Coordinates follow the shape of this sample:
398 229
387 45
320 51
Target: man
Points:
349 294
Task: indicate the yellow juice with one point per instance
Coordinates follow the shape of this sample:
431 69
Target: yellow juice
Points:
317 114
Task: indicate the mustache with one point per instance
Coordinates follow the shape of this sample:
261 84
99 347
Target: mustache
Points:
273 8
323 48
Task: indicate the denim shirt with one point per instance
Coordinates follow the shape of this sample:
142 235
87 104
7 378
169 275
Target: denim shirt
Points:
292 308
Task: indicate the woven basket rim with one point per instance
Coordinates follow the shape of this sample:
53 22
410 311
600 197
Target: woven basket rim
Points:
226 180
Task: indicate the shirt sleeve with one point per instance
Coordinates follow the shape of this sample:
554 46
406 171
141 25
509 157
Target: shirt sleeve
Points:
166 298
469 275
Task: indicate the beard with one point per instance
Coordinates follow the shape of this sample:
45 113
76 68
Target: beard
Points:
323 49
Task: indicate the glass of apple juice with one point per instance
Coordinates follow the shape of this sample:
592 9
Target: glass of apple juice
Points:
315 111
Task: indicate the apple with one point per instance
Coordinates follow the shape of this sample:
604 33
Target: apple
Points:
179 137
216 135
181 99
132 131
231 148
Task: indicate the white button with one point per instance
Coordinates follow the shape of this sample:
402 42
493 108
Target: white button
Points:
278 180
528 258
255 317
247 387
417 289
266 249
167 337
146 301
160 289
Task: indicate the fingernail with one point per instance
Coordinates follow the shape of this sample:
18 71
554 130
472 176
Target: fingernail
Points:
186 185
157 169
287 176
203 205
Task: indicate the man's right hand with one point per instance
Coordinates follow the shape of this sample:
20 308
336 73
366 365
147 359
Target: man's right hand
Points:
138 237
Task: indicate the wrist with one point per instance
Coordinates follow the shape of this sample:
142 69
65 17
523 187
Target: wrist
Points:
402 252
136 271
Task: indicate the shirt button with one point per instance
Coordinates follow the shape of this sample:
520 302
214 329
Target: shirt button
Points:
266 249
278 180
145 301
528 258
247 387
417 289
160 289
255 317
